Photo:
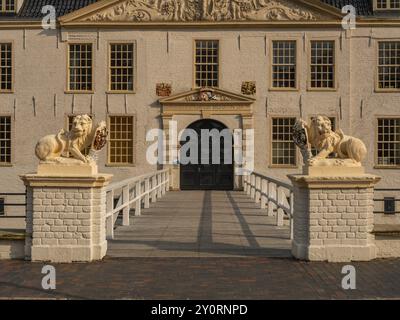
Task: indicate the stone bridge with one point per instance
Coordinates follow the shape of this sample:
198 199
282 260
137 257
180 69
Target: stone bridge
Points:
202 224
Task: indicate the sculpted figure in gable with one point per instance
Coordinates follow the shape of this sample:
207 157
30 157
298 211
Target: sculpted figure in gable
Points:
205 10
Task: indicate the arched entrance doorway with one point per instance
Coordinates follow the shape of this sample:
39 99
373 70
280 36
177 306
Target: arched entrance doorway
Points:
202 172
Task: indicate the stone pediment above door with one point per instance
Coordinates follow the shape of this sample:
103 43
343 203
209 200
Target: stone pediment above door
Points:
207 96
207 100
135 11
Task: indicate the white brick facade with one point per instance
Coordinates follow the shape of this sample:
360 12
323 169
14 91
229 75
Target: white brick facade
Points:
65 224
333 223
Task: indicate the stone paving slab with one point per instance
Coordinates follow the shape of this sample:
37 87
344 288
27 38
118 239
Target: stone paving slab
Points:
201 278
201 224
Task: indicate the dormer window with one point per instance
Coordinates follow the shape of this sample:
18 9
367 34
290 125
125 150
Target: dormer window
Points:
7 6
387 4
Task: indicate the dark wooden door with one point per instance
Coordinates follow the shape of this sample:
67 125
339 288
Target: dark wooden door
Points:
204 175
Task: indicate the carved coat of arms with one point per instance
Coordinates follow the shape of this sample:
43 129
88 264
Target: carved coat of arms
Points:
300 138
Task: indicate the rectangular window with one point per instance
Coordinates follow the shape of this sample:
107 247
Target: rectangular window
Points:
389 205
283 147
80 67
389 65
322 64
2 207
388 4
7 6
121 66
389 142
5 140
5 67
381 4
394 4
207 63
284 64
121 140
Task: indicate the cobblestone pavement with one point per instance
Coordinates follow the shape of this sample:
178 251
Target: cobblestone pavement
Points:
201 278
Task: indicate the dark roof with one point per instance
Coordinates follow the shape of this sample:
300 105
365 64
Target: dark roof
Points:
363 7
32 8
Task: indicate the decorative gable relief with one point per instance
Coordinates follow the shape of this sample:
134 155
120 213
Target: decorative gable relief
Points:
205 10
206 102
207 95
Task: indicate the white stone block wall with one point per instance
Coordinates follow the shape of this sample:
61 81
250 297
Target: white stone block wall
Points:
11 249
333 224
387 247
341 216
66 224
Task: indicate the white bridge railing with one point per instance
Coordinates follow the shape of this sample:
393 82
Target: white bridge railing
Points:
131 194
272 194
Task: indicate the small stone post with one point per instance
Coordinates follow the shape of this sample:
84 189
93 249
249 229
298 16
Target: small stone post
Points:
66 214
333 214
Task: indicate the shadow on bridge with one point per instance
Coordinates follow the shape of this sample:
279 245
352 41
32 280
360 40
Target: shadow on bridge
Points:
201 224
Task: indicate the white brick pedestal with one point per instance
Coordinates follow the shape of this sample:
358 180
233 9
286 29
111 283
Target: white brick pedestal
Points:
333 218
65 218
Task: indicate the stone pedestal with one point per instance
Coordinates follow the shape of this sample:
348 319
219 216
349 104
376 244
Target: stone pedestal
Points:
65 216
333 216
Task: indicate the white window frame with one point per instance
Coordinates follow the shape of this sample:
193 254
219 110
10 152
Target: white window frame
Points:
134 133
134 66
3 6
387 7
296 65
9 164
335 64
377 141
272 164
195 63
11 90
378 65
93 66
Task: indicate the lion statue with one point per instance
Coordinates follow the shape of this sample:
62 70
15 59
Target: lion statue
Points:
319 134
59 147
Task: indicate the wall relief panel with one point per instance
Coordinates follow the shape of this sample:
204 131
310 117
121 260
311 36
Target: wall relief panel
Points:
163 89
249 88
205 10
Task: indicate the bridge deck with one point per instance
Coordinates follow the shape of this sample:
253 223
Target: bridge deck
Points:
201 224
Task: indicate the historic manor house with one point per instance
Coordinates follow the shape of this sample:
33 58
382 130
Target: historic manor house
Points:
262 64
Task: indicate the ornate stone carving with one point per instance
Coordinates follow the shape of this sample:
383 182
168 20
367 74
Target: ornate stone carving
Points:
249 88
57 148
207 95
349 150
163 89
205 10
300 138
